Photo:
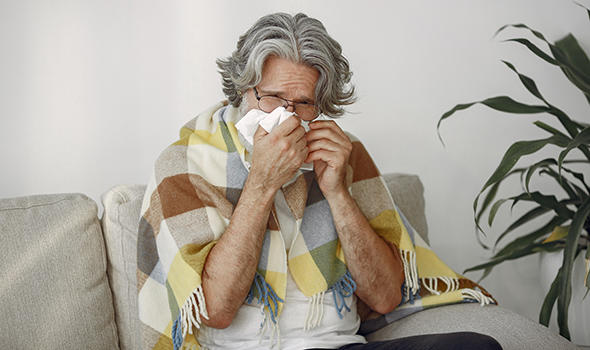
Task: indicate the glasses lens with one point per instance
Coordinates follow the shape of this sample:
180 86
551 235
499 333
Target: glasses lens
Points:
269 103
306 111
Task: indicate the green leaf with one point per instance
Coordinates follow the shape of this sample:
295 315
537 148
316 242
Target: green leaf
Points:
487 200
546 201
486 272
507 104
530 171
494 210
491 194
500 103
565 287
552 130
568 52
528 83
580 193
513 154
582 6
577 175
534 49
563 182
570 125
563 52
567 185
528 250
529 238
583 138
575 54
526 217
511 157
550 298
521 25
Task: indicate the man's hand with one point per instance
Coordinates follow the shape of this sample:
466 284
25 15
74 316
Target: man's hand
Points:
373 264
329 149
277 155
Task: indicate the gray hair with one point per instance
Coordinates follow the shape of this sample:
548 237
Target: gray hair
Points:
299 38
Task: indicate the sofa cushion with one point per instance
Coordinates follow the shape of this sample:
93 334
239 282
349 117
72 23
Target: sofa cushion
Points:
408 193
120 222
53 284
511 330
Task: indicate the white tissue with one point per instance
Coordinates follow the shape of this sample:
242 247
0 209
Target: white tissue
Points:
249 123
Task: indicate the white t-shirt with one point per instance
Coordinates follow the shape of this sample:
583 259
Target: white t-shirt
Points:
243 333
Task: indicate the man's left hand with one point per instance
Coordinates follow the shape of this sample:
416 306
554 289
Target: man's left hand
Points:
329 149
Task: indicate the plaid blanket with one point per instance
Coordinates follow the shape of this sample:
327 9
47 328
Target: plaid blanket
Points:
196 183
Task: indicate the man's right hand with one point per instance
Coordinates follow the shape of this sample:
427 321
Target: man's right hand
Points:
277 155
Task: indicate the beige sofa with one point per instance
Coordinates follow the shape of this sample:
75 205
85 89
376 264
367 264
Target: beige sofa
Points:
68 278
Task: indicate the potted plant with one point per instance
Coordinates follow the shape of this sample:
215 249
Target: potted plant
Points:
569 228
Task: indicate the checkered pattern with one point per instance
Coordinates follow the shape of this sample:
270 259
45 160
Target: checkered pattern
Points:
189 200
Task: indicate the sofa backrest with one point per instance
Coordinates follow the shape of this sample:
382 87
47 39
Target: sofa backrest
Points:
120 222
54 291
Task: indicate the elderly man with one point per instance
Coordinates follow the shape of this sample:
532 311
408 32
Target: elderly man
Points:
271 239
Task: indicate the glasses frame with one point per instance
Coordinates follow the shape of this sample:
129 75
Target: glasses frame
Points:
287 102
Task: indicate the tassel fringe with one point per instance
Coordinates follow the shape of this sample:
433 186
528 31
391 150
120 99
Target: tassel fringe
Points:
315 311
266 296
189 316
411 283
468 293
264 326
431 284
345 287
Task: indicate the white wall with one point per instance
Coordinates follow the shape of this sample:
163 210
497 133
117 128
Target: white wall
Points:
92 91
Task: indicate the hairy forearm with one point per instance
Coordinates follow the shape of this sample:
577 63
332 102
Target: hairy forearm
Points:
231 263
376 267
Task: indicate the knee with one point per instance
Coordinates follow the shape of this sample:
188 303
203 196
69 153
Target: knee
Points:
473 340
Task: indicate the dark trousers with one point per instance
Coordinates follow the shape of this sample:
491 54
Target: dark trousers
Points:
438 341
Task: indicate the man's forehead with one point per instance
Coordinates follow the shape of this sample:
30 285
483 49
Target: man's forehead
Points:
288 79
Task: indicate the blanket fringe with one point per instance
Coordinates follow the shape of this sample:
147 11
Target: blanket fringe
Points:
315 311
266 295
411 283
264 326
189 316
431 284
468 293
345 287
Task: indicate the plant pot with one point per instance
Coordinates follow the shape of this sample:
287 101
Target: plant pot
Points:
579 310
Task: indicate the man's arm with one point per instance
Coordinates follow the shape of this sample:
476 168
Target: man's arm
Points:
231 263
376 267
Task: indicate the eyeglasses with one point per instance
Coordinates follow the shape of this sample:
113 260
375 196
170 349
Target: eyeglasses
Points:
304 110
